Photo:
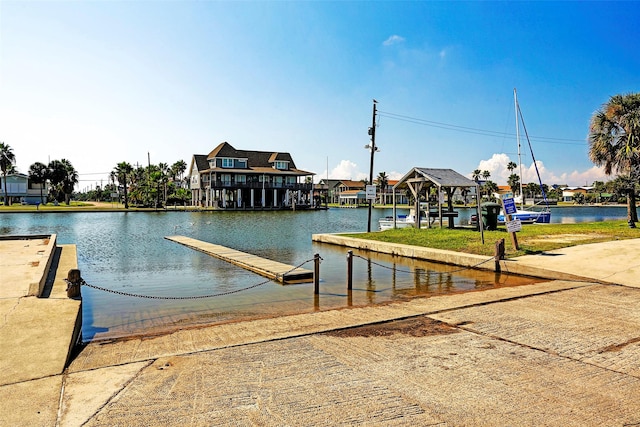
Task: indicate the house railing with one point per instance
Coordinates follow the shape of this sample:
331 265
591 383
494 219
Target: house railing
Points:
260 185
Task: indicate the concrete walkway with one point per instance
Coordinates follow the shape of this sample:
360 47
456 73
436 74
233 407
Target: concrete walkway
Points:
555 353
39 324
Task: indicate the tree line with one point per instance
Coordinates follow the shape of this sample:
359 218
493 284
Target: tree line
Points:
150 186
60 174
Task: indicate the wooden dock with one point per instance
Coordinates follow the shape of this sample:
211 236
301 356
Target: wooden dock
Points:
274 270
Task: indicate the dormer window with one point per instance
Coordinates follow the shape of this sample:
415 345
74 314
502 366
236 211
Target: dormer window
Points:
281 165
227 163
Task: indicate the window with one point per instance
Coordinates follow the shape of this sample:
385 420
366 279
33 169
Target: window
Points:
281 165
241 179
242 164
227 163
225 178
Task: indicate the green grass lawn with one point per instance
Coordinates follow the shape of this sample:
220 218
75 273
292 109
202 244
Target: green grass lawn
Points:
49 206
534 238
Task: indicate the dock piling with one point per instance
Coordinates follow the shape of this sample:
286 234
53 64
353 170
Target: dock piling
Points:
316 274
349 270
74 281
499 254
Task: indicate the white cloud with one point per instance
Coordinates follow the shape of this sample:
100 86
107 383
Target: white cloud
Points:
395 175
497 165
346 169
394 39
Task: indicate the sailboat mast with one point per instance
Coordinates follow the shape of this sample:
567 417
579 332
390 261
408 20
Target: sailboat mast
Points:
515 101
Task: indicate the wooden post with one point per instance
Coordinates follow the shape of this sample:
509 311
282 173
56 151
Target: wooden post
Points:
73 283
499 254
316 274
349 270
514 238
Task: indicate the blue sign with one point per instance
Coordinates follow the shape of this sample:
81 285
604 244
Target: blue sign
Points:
509 206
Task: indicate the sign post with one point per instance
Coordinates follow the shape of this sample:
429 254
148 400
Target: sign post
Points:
513 225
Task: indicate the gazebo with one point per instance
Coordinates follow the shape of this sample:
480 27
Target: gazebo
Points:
446 181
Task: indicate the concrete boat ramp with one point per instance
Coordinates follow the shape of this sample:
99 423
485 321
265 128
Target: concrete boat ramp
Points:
40 325
283 273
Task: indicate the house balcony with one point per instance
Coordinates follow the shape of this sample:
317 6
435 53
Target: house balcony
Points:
260 185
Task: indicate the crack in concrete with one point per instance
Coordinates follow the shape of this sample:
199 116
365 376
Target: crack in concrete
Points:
9 312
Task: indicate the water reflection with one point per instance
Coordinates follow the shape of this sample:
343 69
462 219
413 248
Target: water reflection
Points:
127 252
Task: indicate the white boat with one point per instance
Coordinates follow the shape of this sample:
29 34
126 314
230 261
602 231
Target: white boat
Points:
403 221
526 216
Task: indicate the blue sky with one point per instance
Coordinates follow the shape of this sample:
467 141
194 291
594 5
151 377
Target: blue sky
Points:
102 82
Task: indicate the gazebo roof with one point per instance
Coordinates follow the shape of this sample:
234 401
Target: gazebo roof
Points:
438 177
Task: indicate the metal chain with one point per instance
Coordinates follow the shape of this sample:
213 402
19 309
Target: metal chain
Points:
435 273
127 294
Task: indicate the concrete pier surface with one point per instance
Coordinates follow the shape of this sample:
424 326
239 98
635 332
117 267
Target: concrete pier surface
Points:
273 270
39 324
557 353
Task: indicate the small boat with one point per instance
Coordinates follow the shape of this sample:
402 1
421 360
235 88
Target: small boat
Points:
403 221
528 217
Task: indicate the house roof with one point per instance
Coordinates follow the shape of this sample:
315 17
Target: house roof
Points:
254 158
201 161
257 161
438 177
352 184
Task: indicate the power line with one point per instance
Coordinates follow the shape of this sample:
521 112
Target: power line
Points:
476 131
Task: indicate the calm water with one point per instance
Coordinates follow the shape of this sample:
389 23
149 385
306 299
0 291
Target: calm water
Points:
127 252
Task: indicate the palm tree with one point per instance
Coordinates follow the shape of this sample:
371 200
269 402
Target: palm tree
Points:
69 180
57 174
38 174
614 142
476 175
511 166
598 187
383 181
165 170
486 175
122 171
514 183
490 187
532 189
7 159
178 169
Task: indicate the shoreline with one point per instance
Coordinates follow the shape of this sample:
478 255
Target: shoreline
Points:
109 207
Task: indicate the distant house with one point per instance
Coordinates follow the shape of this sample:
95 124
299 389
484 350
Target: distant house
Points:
350 192
243 179
327 190
341 191
20 189
569 193
386 194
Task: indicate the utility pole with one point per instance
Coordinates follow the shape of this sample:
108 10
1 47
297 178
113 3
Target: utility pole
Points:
372 147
